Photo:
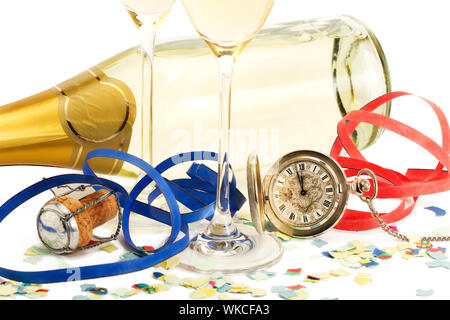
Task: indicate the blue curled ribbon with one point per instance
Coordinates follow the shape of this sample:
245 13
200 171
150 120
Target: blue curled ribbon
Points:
197 193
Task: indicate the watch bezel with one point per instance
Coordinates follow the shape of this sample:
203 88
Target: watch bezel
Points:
338 174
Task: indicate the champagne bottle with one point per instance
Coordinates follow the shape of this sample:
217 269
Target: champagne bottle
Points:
293 84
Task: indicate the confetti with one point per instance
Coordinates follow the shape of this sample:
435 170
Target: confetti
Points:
319 243
442 231
7 290
424 244
224 296
424 293
170 263
80 297
99 291
295 287
87 287
258 292
363 278
261 275
302 294
129 256
283 237
109 248
438 264
194 283
287 294
32 259
438 211
438 255
197 295
293 272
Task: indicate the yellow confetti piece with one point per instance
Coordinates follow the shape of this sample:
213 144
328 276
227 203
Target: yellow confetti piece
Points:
359 245
364 275
340 254
239 288
282 236
366 255
109 248
193 282
6 290
258 292
340 272
95 297
131 292
413 238
224 296
30 252
208 292
302 294
197 295
170 263
352 259
404 246
362 281
391 250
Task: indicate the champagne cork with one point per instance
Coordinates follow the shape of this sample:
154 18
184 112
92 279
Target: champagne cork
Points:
78 231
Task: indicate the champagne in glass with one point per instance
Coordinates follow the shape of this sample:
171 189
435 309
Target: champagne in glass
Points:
147 16
227 26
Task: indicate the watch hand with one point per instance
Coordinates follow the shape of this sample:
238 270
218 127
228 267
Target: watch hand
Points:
300 177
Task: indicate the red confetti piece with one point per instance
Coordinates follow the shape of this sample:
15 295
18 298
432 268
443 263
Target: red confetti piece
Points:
148 248
296 287
436 249
299 270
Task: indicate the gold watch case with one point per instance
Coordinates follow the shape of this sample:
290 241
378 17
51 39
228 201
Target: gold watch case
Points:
261 195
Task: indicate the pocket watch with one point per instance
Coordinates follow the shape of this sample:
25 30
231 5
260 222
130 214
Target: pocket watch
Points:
303 194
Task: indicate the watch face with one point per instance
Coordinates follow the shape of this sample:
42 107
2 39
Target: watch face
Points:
307 194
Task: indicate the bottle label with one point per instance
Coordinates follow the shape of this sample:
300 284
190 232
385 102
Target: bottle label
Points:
96 111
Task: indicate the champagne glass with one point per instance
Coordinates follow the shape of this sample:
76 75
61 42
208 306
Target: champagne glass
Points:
147 16
227 26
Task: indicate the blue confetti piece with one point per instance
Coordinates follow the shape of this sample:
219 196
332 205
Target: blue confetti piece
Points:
378 252
129 256
327 254
224 288
319 243
438 211
80 298
438 255
286 294
371 264
157 275
88 287
279 289
424 293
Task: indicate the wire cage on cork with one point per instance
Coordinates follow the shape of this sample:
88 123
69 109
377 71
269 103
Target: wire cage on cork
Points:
66 224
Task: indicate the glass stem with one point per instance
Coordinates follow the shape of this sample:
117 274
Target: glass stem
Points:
147 33
222 225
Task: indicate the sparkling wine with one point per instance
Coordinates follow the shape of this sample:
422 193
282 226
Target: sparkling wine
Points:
292 85
228 24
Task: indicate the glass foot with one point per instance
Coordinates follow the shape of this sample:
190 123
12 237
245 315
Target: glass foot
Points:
249 251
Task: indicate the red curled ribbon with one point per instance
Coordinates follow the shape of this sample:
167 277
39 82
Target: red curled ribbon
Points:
392 184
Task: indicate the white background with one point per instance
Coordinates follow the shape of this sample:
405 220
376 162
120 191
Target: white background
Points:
45 42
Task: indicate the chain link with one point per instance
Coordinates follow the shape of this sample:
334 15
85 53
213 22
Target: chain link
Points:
361 185
397 234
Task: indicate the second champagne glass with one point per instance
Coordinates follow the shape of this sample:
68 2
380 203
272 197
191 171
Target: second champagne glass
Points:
147 16
227 26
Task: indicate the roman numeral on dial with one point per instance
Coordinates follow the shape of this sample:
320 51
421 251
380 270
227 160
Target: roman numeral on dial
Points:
327 203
